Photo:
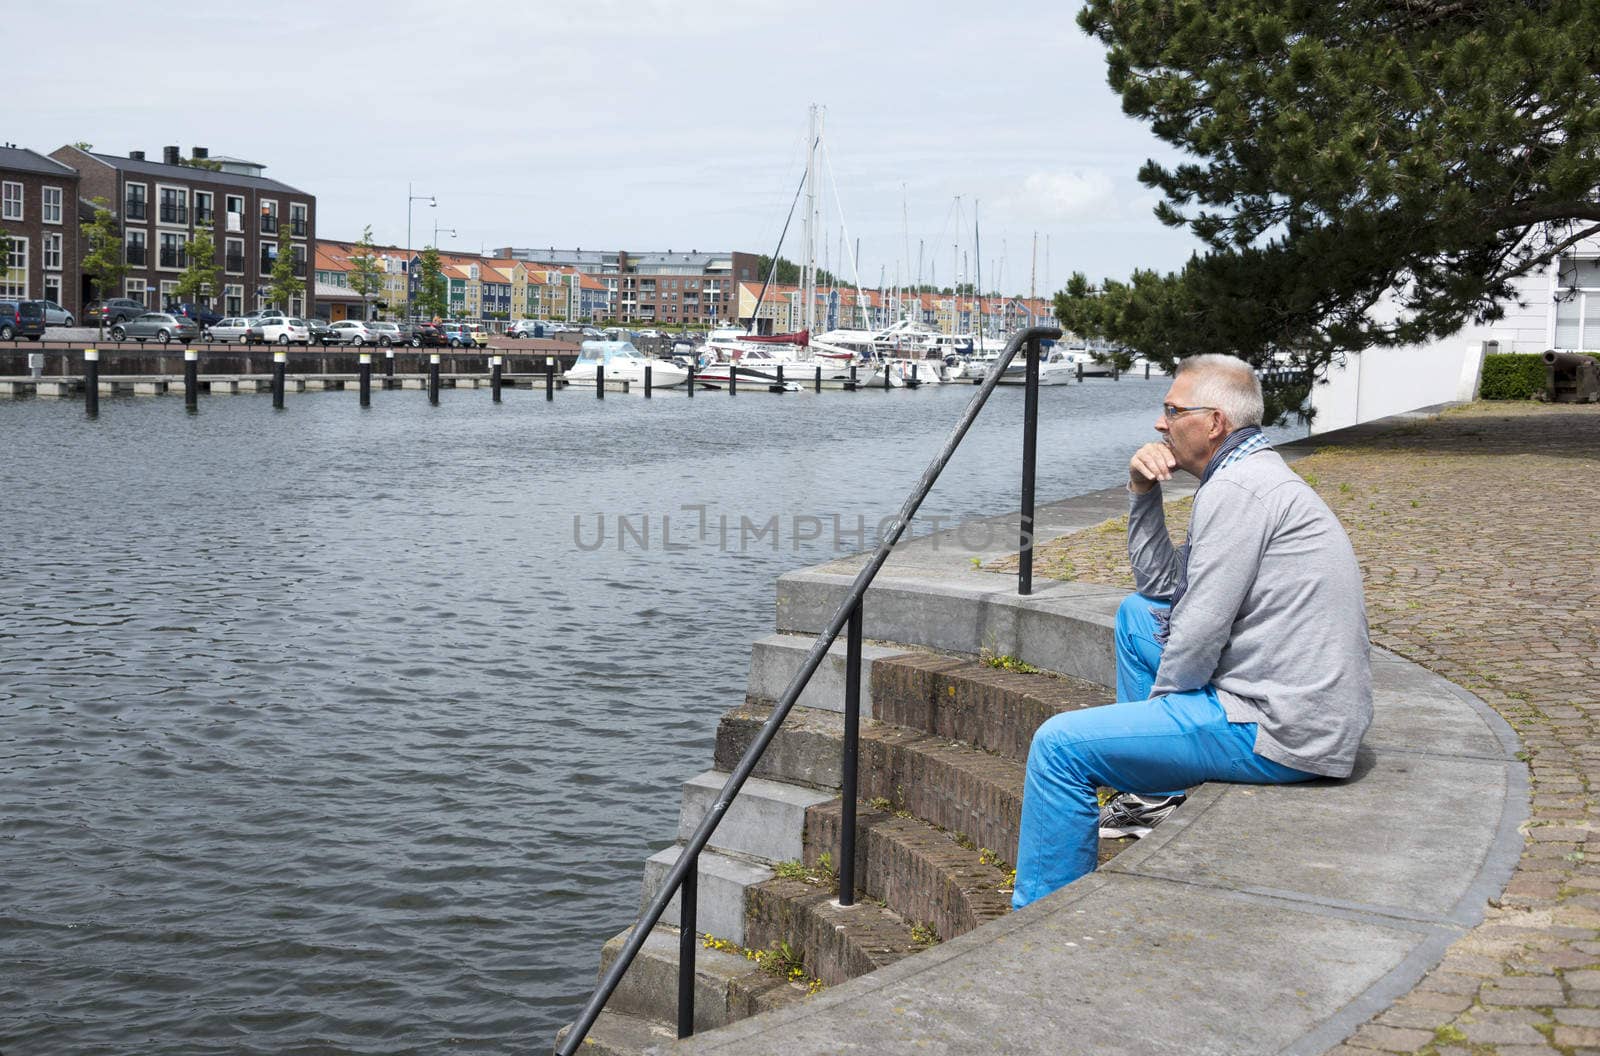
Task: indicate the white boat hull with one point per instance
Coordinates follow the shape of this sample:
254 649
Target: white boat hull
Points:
663 375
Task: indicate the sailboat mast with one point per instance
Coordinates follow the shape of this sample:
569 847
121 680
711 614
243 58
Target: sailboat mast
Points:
1033 278
808 272
977 255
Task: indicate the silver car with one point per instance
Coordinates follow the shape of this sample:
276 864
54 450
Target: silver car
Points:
55 315
157 326
388 333
354 332
244 331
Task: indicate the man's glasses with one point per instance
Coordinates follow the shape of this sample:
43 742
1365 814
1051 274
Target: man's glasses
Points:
1172 411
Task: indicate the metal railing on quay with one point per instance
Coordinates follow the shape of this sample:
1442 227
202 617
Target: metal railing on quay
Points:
684 872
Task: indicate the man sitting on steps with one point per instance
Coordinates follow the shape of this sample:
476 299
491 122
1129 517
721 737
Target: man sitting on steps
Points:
1243 656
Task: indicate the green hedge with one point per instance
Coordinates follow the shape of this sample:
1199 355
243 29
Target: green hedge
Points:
1514 376
1511 376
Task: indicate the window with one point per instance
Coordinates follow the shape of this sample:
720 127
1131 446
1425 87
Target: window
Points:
174 251
233 300
1578 304
52 205
235 205
52 252
14 284
10 201
202 208
233 256
52 288
298 251
174 206
169 293
136 248
134 202
135 290
269 218
269 256
297 219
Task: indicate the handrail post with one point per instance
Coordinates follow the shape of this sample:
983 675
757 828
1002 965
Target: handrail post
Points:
849 764
687 930
1030 446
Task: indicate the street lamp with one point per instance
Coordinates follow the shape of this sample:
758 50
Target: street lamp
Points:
447 230
411 198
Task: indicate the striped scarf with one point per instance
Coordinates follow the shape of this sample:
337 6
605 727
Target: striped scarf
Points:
1239 444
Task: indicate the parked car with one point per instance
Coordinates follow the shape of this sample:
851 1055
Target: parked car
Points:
201 317
428 335
389 333
239 329
284 330
528 328
456 335
55 315
21 319
157 326
322 333
113 310
480 336
354 332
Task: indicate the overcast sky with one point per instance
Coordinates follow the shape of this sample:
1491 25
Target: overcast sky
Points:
634 124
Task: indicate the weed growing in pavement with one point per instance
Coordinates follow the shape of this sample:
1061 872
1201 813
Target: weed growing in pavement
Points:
1006 662
781 960
823 874
923 934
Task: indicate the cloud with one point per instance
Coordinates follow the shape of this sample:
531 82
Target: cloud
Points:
1056 197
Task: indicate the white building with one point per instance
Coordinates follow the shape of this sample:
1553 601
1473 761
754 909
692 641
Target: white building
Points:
1558 307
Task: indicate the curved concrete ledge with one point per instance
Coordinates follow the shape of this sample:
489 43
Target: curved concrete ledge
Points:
1255 920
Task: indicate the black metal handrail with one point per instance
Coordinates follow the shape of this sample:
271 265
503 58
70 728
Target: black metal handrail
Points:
685 871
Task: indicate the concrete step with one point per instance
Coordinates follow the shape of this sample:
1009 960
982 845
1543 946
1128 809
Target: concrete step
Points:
775 659
617 1034
721 894
944 782
727 986
968 700
764 821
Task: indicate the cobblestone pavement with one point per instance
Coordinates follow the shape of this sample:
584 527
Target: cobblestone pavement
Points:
1479 536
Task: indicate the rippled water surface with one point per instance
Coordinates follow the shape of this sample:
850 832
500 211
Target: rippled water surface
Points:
321 731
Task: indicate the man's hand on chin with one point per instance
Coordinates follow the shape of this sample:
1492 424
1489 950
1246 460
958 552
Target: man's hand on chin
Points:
1151 463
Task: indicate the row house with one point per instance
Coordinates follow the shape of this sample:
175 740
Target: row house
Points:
160 206
691 288
39 215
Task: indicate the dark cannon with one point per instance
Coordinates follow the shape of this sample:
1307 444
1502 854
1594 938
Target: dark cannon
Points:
1571 377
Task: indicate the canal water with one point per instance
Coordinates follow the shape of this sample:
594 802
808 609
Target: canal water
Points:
329 731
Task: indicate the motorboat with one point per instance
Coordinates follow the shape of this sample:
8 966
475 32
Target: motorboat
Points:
1059 367
622 362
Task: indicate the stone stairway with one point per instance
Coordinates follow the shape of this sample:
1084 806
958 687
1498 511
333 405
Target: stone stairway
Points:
943 745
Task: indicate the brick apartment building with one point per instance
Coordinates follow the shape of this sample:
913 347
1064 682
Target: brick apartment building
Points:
161 205
39 212
694 288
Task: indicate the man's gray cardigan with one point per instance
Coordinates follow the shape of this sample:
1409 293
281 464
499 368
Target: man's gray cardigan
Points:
1273 616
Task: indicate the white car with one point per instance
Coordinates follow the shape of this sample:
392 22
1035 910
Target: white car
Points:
284 330
354 332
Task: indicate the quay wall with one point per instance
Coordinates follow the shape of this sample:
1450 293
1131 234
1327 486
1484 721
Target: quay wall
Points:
129 358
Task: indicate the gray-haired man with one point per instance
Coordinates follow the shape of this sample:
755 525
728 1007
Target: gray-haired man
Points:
1243 656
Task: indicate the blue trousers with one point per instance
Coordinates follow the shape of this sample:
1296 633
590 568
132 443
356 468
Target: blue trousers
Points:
1143 745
